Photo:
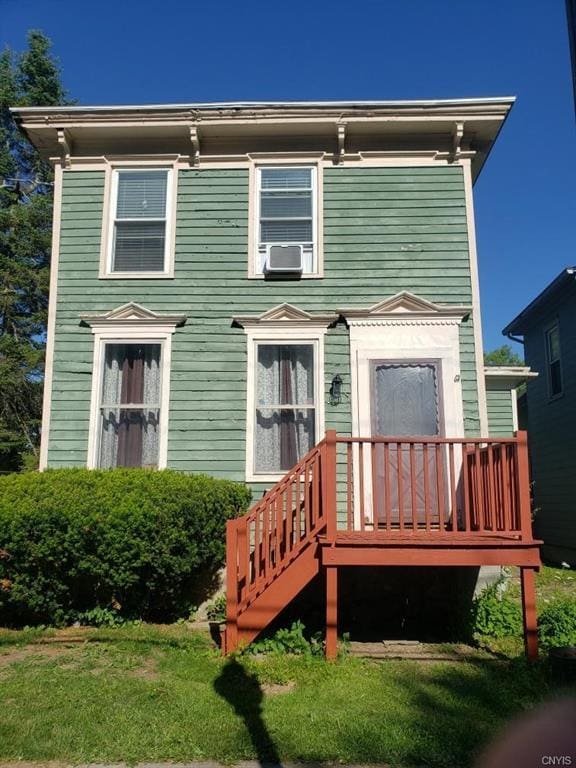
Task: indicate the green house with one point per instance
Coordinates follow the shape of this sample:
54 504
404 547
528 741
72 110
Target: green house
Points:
232 283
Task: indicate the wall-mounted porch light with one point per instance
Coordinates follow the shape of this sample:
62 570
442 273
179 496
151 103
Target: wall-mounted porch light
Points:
336 390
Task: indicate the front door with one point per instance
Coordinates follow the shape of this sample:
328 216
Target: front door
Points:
405 402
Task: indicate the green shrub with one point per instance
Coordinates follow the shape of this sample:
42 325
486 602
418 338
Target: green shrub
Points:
139 543
557 623
216 610
495 615
289 640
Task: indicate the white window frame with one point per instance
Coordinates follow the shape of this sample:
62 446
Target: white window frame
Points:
555 326
275 336
136 335
109 219
254 270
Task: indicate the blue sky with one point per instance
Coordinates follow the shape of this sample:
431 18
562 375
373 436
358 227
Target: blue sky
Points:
128 51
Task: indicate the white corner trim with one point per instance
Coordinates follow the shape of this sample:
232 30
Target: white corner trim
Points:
108 214
51 326
118 333
514 396
275 334
476 311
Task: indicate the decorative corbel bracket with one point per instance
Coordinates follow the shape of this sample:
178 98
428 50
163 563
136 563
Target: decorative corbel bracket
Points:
195 141
457 136
341 129
65 146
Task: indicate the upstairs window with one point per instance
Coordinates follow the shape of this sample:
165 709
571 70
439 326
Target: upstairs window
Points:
130 406
553 360
139 237
287 214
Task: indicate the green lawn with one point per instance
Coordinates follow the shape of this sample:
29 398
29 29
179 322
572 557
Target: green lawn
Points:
150 693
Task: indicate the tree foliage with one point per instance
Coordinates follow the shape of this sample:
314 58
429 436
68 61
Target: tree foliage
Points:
503 355
31 78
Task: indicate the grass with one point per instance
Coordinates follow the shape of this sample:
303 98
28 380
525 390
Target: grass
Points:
151 693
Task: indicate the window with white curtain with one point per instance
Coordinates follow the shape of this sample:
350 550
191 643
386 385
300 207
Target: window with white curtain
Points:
139 237
130 405
286 212
285 403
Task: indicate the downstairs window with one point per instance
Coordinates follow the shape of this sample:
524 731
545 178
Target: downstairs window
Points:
286 407
130 406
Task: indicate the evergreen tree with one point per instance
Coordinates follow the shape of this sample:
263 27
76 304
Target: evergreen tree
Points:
26 194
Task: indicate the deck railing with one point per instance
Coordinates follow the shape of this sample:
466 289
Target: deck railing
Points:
380 488
262 543
434 486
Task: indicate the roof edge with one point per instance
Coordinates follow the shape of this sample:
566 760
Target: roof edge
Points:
516 325
504 101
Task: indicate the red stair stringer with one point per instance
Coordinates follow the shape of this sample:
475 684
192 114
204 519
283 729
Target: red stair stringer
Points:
287 585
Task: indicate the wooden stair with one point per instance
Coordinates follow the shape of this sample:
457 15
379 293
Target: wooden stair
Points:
272 552
403 501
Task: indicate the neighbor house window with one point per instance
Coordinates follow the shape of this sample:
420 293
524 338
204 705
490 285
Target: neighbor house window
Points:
285 405
287 213
139 236
553 359
130 405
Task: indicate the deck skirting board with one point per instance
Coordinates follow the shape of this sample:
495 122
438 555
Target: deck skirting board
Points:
519 555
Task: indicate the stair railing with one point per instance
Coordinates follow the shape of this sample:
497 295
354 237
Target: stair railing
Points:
262 543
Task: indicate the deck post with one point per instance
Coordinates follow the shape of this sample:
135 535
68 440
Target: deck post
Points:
330 484
331 613
524 485
231 587
529 613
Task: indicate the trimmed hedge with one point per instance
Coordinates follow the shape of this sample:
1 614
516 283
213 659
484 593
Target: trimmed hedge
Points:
139 543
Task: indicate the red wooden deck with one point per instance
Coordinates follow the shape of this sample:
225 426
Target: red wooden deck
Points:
400 501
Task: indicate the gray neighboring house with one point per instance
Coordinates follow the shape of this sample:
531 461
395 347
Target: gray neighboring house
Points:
548 330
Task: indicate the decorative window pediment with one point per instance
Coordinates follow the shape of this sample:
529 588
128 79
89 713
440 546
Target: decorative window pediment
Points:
286 315
406 307
131 314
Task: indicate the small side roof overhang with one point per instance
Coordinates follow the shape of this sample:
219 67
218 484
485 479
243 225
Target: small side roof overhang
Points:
518 326
508 376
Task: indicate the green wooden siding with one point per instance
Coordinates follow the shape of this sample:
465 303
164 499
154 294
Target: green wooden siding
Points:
385 230
500 419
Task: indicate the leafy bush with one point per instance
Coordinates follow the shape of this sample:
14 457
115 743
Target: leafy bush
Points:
138 543
216 610
557 623
495 615
292 640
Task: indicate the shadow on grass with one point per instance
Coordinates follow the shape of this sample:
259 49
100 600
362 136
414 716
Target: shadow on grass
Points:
243 692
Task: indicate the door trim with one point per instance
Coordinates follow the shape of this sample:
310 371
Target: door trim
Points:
402 343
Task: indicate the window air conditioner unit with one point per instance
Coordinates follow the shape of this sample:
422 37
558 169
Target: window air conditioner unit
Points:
284 258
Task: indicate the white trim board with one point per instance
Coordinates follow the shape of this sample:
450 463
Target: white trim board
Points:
51 327
476 311
108 217
292 334
118 331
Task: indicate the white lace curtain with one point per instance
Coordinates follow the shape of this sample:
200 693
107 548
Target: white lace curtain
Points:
285 413
129 436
